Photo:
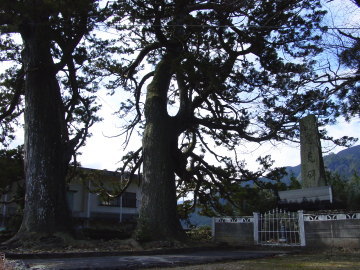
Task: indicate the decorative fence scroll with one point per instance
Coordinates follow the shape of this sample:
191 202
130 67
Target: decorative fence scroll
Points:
248 219
331 216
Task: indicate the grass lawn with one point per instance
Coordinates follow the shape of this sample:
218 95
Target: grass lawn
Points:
329 260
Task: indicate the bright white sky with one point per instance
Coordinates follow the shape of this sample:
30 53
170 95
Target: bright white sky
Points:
102 152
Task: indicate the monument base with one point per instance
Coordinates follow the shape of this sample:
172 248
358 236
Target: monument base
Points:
311 199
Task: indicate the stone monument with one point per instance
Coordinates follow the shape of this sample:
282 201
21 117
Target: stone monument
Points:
314 194
312 164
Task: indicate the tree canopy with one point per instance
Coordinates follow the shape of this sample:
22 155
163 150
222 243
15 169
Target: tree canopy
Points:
67 28
12 167
207 76
350 56
340 63
204 77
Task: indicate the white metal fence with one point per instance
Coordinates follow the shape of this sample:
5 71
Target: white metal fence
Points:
282 228
276 227
279 228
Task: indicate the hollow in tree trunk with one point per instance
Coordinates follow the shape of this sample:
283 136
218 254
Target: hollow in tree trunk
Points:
158 219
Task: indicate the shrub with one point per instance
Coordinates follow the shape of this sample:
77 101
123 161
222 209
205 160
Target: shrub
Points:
202 233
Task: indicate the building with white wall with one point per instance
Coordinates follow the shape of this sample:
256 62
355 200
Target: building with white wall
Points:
86 201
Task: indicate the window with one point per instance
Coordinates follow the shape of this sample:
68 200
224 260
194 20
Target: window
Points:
109 201
129 199
70 198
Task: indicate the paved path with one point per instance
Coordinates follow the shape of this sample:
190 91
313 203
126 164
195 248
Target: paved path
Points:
144 261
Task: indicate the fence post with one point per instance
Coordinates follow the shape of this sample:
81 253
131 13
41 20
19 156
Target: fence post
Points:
302 228
4 210
213 228
256 228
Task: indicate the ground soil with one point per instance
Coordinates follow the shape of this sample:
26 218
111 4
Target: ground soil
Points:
67 245
332 259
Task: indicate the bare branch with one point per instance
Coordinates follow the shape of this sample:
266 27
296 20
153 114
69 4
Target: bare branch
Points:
19 90
129 71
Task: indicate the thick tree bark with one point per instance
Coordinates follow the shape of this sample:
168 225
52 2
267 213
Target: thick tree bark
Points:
158 218
46 209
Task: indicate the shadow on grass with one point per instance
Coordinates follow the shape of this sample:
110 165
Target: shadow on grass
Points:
329 260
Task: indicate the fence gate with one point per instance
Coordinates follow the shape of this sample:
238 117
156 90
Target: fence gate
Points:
280 228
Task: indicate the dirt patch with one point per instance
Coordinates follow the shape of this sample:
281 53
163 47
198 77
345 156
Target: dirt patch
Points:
340 259
75 246
65 245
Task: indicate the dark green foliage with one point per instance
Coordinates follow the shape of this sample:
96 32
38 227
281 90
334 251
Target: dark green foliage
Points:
342 174
12 167
346 191
294 182
11 87
201 233
12 183
220 74
353 193
68 28
244 200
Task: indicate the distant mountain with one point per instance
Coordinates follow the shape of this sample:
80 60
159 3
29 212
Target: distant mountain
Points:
345 163
197 220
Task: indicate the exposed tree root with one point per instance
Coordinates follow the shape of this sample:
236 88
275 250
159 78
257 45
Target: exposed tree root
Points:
39 240
61 243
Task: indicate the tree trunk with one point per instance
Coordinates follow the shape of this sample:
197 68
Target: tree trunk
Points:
46 210
158 219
